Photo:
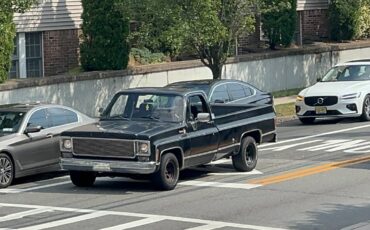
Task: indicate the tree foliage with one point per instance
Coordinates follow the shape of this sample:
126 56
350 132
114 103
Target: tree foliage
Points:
279 18
344 18
207 27
7 31
105 30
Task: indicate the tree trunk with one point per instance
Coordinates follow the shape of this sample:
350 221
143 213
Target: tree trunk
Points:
216 71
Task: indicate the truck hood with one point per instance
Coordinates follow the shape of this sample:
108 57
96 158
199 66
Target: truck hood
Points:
122 129
334 88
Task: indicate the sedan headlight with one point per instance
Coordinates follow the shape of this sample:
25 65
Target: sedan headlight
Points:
143 148
300 98
66 145
351 96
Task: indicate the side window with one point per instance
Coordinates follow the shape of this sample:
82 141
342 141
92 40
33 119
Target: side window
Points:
39 118
248 91
220 94
59 116
196 104
236 91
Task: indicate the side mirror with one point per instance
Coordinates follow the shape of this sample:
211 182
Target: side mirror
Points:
203 117
318 79
33 129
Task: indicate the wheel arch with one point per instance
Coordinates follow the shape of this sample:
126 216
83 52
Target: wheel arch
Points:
12 159
256 134
178 152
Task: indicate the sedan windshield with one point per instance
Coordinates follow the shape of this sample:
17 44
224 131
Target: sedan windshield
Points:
348 73
10 122
157 107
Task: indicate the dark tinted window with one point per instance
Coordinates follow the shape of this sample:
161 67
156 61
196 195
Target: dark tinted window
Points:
59 116
236 91
248 91
39 118
220 94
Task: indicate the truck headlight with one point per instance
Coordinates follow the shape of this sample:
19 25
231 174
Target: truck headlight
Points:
142 148
66 145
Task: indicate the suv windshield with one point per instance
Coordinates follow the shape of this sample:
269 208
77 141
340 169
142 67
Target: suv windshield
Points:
158 107
348 73
10 122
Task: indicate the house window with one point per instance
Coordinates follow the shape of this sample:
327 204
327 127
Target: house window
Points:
14 69
34 54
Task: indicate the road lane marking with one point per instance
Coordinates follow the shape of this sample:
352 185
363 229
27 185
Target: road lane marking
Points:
316 135
307 171
198 183
146 216
21 215
285 147
20 190
71 220
205 227
135 224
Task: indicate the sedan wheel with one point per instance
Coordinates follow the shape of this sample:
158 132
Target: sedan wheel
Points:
6 171
366 109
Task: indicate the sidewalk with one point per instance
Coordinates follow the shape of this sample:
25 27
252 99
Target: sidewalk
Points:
284 100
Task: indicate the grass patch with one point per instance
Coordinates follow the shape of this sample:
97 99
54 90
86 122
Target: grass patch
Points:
75 71
287 92
284 110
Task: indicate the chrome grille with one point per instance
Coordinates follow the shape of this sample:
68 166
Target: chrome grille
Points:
101 147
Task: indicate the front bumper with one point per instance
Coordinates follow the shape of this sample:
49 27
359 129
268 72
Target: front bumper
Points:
338 110
75 164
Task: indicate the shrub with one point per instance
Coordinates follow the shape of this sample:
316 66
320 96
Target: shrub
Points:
344 18
7 31
144 56
364 22
105 30
279 21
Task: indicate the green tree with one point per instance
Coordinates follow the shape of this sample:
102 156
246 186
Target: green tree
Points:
105 30
279 18
205 27
7 31
344 18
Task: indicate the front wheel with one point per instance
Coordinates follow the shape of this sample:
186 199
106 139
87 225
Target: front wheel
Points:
307 120
6 170
365 116
167 176
83 179
246 159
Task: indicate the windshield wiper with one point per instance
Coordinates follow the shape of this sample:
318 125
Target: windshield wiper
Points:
117 117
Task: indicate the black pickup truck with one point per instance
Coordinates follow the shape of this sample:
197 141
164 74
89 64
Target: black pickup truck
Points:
160 131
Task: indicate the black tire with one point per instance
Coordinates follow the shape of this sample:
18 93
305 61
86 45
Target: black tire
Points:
307 120
167 176
6 170
82 179
365 116
246 159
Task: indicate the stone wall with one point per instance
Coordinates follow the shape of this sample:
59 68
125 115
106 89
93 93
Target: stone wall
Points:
61 51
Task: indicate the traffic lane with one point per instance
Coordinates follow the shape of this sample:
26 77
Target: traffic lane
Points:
295 129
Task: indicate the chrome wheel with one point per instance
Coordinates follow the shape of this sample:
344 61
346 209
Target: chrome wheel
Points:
365 116
367 106
6 171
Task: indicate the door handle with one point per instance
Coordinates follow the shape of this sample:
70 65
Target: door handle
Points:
49 135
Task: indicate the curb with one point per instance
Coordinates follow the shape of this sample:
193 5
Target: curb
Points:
280 120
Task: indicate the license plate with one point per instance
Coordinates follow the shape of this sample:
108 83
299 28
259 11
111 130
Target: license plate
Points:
321 110
102 167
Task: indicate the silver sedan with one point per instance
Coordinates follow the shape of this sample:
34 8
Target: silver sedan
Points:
29 138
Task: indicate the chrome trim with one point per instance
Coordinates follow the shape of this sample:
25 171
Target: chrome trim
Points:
229 146
201 154
269 133
114 166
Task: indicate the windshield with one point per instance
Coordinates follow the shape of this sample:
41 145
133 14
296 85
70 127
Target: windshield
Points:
158 107
348 73
10 122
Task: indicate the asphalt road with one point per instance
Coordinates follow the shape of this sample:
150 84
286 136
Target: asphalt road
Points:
315 177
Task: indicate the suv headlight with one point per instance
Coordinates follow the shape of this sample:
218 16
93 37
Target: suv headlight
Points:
143 148
66 145
351 96
300 98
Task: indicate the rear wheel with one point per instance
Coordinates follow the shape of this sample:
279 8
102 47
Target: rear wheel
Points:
6 170
83 179
167 176
246 159
365 116
307 120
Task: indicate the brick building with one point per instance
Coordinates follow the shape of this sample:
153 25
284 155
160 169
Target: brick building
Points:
47 41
